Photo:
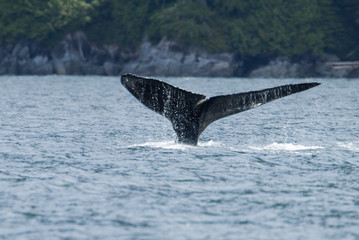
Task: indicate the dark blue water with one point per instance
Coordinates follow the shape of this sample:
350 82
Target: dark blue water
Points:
80 158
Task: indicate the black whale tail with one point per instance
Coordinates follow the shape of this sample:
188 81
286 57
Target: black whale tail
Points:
191 113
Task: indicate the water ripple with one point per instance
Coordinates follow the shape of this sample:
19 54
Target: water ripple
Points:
81 160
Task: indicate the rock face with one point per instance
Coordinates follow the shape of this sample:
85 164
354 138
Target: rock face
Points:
75 55
324 69
22 58
283 67
277 68
169 59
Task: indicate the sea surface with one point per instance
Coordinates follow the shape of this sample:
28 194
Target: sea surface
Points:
81 158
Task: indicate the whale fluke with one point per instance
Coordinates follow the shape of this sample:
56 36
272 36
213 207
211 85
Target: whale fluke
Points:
191 113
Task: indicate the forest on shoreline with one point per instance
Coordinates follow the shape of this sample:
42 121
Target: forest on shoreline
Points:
245 28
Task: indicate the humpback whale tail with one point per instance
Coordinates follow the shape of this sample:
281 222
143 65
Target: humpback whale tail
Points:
191 113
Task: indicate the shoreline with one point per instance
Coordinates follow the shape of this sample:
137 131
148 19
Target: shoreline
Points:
75 55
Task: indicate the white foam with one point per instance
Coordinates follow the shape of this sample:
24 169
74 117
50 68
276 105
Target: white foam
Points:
163 145
175 145
209 144
352 146
286 147
271 147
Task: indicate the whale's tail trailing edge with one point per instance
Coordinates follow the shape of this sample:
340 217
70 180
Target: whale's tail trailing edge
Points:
222 106
191 113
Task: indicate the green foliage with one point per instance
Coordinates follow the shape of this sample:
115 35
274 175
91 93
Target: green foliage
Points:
121 21
190 24
38 19
232 8
278 27
244 27
348 38
130 18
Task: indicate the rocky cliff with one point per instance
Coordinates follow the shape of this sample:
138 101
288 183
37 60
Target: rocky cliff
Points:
75 55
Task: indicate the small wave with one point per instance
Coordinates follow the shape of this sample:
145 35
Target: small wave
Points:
163 145
174 145
286 147
210 144
352 146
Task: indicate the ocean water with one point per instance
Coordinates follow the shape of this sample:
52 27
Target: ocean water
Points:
81 158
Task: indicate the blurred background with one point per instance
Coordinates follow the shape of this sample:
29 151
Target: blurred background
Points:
252 33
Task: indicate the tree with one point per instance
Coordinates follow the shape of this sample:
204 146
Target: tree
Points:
348 39
190 23
123 22
278 27
245 27
38 20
